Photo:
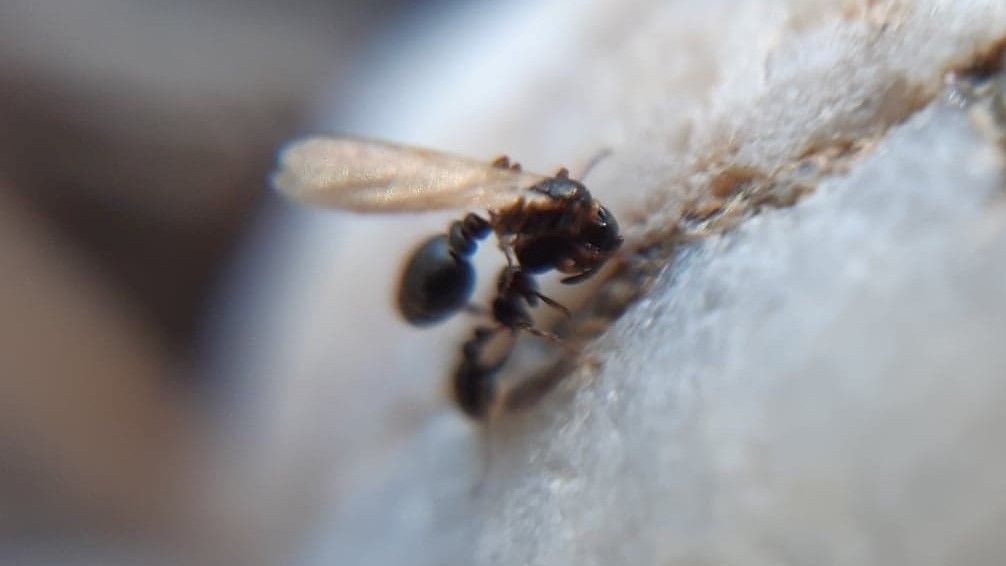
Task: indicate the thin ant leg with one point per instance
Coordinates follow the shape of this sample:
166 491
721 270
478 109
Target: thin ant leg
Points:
506 246
513 281
544 335
574 279
509 310
554 304
508 252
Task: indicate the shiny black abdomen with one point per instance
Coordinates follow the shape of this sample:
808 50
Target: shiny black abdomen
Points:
435 284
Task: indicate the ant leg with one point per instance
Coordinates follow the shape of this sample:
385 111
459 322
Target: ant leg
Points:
506 246
510 313
554 304
542 334
574 279
524 285
551 338
508 252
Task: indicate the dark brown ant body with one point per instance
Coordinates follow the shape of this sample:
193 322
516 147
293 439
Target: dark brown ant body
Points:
567 230
542 223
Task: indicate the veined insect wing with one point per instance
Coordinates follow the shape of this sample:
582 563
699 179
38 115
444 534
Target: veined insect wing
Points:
371 176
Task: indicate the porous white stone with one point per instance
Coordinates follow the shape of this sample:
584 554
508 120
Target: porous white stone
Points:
823 385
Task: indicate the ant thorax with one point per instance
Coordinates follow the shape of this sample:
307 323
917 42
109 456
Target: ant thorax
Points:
536 216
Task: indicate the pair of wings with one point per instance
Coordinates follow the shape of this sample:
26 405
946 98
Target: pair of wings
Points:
371 176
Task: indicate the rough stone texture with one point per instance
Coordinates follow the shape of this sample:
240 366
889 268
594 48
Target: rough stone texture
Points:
822 385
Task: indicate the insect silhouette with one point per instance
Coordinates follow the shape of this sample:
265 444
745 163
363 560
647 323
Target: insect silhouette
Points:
541 223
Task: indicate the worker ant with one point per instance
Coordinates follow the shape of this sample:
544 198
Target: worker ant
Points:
542 223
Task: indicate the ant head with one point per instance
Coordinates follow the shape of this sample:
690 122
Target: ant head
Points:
602 231
597 241
579 250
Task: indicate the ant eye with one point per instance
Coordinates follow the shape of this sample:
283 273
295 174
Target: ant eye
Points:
603 233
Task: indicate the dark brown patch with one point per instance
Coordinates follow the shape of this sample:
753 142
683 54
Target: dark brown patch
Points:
986 63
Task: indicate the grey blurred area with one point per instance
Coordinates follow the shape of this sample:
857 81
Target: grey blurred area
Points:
142 131
135 137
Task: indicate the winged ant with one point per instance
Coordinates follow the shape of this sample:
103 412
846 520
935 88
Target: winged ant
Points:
541 223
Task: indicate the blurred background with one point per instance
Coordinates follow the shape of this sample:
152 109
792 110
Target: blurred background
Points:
135 140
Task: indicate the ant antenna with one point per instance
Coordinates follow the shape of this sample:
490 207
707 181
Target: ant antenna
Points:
593 161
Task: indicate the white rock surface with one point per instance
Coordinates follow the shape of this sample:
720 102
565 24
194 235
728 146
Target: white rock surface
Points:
822 386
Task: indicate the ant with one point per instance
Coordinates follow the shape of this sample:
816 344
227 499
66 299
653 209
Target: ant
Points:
541 223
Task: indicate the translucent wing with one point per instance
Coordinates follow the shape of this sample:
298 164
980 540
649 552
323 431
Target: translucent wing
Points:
371 176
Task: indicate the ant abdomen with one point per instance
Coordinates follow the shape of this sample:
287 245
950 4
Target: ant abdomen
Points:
438 279
436 282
